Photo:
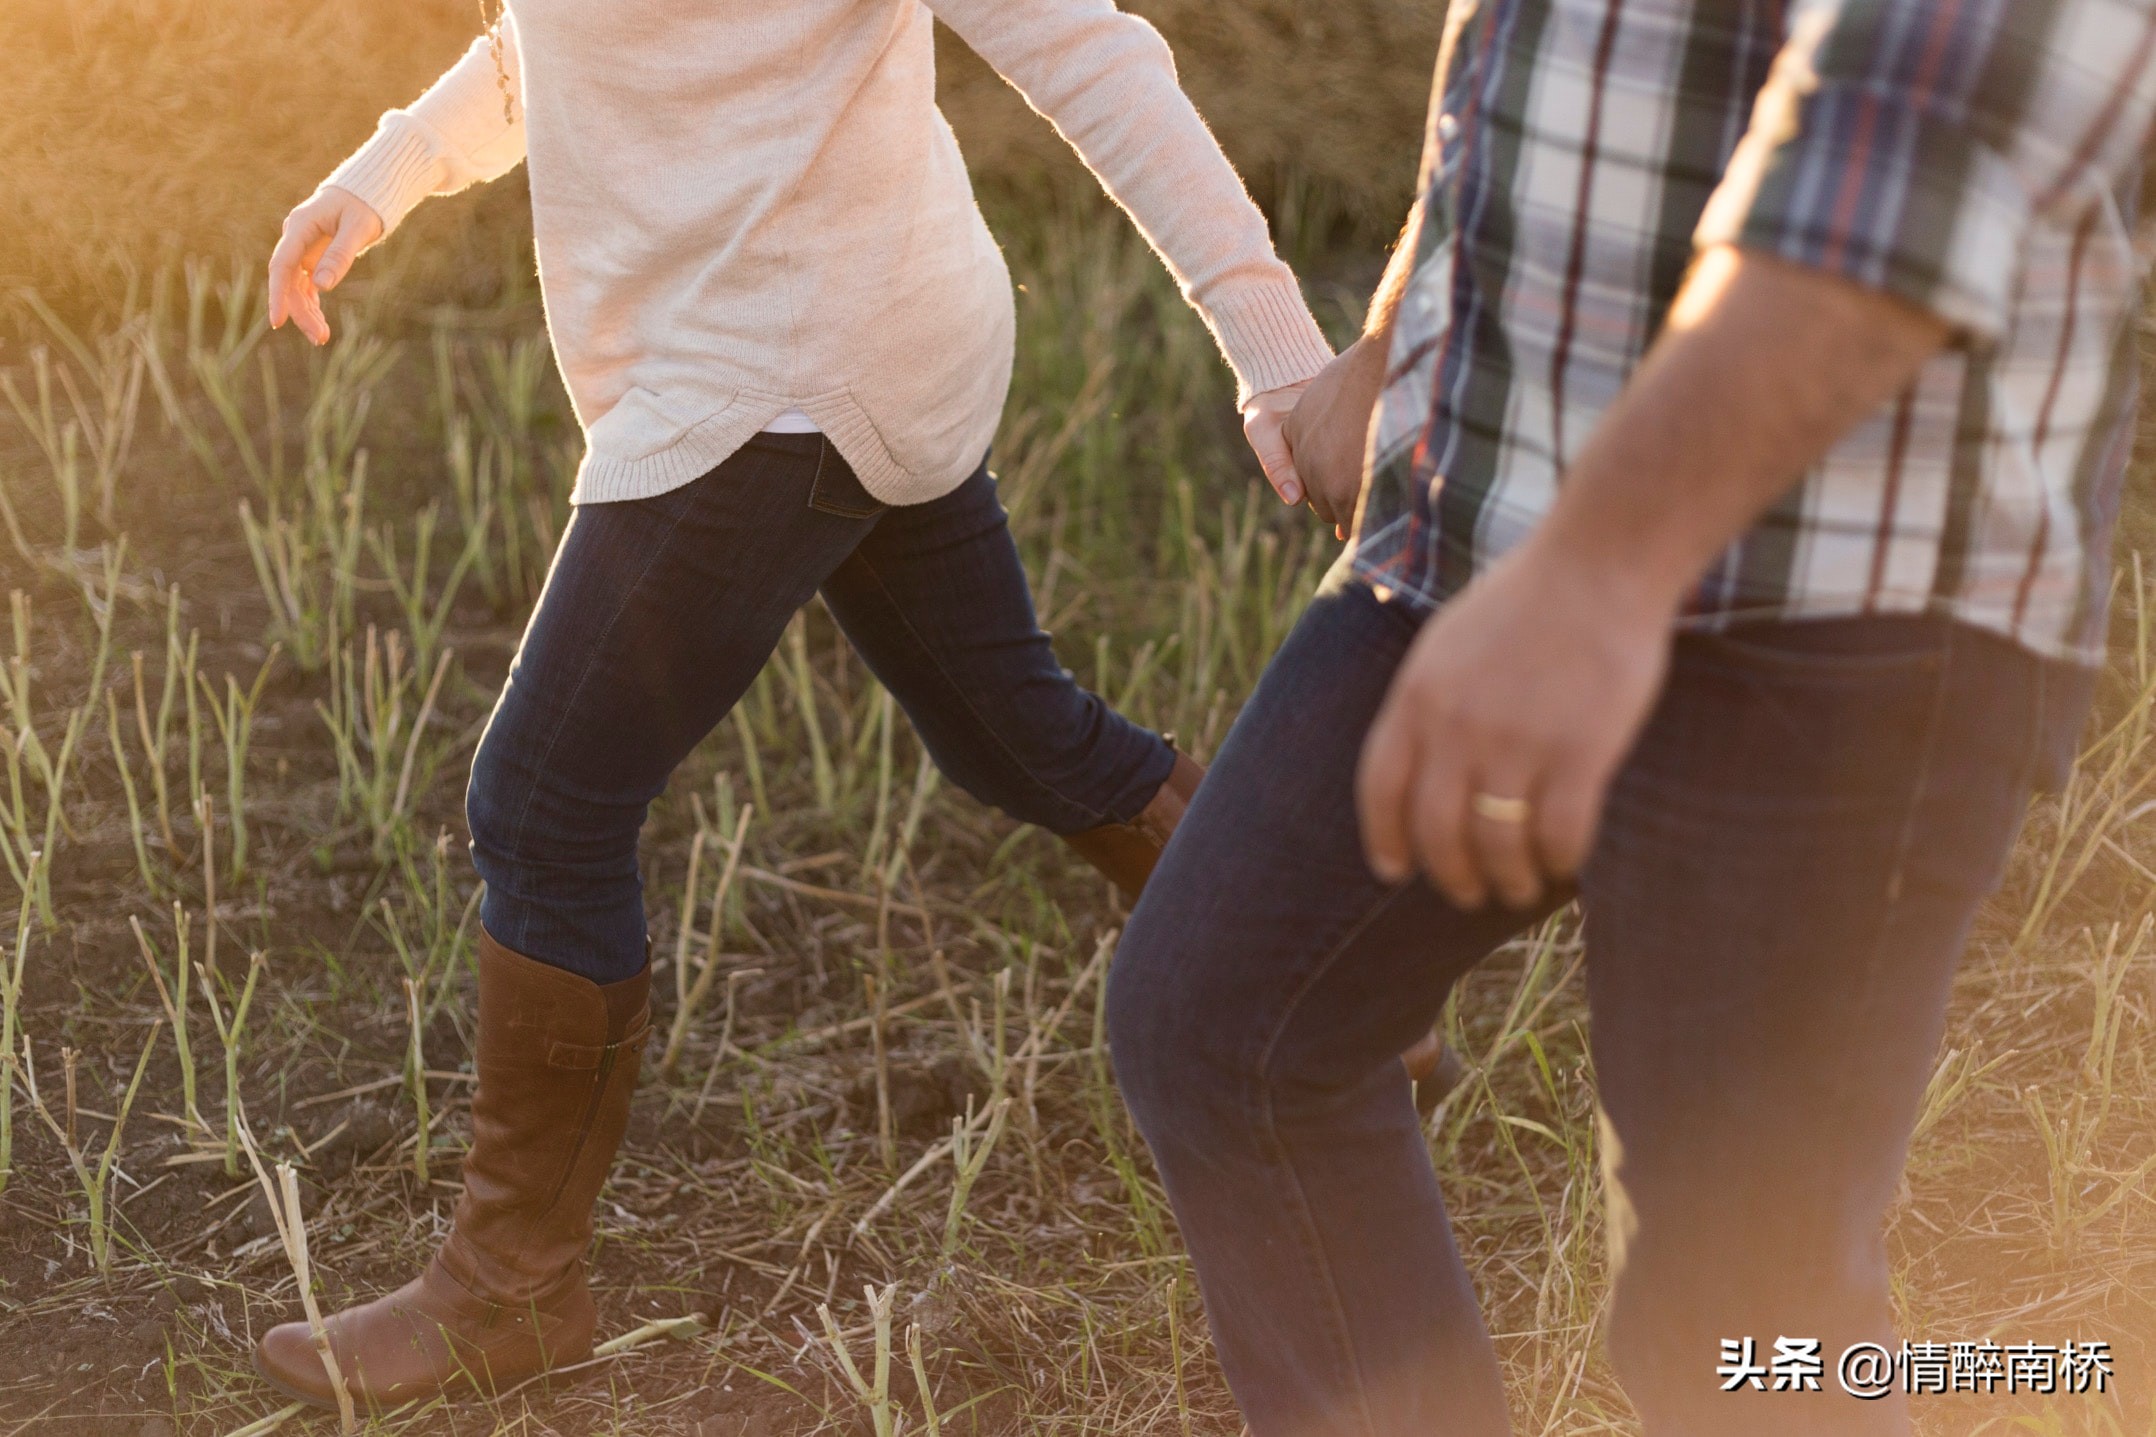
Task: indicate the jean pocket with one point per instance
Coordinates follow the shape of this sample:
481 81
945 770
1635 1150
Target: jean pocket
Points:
1822 650
838 490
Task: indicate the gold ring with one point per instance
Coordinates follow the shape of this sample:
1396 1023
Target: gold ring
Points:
1500 810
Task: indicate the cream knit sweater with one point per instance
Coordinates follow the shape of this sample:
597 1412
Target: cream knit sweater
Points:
746 206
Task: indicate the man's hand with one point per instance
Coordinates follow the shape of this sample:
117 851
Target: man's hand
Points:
1263 416
1487 765
321 239
1330 428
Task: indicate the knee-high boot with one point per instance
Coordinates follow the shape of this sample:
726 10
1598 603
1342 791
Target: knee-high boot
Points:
506 1297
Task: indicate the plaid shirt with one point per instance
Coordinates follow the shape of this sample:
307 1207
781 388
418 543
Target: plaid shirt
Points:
1978 158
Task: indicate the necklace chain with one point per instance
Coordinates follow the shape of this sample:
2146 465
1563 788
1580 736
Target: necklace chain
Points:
492 19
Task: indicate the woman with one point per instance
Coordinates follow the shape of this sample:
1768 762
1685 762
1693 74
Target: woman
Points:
787 333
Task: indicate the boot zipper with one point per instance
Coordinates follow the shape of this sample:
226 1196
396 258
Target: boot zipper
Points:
604 1072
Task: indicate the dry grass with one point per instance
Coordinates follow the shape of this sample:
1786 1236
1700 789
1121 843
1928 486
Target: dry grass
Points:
886 959
140 128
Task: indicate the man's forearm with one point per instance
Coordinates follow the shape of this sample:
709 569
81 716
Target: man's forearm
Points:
1764 367
1385 302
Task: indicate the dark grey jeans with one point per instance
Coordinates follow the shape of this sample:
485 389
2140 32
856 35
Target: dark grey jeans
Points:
1784 879
658 614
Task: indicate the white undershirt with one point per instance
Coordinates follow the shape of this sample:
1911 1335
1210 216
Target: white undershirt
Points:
793 421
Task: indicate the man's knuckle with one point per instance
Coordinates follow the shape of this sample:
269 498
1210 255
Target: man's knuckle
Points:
1489 730
1439 700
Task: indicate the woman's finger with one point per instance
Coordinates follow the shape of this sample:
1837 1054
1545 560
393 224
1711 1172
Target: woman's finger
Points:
354 233
292 295
1263 429
284 267
312 321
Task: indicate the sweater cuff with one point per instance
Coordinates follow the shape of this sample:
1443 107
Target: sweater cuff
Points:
395 170
1268 335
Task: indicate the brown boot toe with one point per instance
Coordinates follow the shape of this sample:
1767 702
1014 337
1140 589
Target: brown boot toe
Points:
431 1336
285 1358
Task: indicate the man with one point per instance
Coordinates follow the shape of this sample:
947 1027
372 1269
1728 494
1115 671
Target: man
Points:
1757 382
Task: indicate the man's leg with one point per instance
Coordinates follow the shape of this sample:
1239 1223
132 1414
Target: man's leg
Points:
1786 873
937 603
1265 985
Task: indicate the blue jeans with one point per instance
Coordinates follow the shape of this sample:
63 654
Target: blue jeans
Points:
660 612
1783 881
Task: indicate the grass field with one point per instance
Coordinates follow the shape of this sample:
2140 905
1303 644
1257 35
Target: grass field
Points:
260 601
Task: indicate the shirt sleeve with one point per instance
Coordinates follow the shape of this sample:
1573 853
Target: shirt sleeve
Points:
467 128
1107 82
1912 145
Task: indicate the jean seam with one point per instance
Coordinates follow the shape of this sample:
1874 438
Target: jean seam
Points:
591 663
1905 841
1313 1248
1096 817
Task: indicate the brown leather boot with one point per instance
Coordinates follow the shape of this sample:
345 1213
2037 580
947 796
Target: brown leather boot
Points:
1127 853
505 1299
1435 1070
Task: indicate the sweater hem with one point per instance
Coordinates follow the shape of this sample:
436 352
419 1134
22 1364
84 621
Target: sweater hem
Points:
709 443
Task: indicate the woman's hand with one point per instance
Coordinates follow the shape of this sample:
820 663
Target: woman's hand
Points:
321 240
1264 416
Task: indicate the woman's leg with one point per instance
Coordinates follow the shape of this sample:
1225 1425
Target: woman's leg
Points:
936 601
657 616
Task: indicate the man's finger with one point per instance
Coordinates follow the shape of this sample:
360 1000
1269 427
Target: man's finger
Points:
1437 819
1382 776
1499 839
1567 813
1321 505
